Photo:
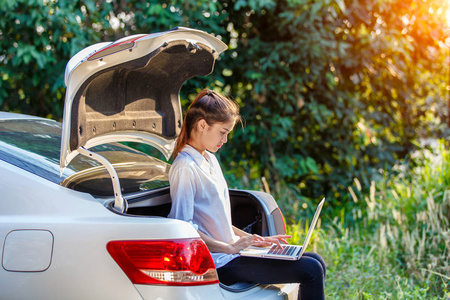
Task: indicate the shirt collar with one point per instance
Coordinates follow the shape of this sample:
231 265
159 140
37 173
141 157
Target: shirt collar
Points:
197 156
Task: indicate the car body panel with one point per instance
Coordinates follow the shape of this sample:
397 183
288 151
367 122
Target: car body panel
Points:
81 227
264 292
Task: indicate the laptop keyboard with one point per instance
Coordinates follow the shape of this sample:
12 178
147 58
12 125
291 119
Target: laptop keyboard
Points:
285 250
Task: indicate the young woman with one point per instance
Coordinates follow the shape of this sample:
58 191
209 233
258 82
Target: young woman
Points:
200 196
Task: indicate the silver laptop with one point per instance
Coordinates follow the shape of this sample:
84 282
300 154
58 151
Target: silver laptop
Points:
288 252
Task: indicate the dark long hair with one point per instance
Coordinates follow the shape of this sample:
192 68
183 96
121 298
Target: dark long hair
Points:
211 107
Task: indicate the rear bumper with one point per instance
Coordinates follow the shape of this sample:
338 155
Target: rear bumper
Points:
262 292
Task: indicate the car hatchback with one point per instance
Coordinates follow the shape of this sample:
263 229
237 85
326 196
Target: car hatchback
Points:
83 216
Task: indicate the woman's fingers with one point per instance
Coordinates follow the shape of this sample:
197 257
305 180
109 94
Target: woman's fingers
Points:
258 237
262 244
257 240
281 237
277 239
247 241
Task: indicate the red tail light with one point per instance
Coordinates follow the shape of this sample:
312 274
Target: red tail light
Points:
170 262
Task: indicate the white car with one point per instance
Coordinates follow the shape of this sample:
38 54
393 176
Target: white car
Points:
83 216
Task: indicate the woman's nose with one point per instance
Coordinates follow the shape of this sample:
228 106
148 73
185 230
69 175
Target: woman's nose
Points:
224 139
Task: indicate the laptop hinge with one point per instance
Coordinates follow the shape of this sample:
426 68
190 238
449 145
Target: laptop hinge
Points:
120 204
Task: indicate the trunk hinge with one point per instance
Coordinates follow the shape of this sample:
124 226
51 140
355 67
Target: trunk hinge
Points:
120 204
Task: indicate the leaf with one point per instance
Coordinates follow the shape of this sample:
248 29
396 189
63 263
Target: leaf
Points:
315 9
240 4
311 165
341 5
91 6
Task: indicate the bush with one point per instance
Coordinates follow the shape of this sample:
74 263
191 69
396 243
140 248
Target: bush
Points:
394 243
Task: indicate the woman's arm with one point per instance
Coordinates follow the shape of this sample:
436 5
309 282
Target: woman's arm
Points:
240 232
215 245
233 248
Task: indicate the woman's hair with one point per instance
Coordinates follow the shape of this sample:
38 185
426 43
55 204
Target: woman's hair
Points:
211 107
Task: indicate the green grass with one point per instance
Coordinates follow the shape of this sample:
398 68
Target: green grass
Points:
391 242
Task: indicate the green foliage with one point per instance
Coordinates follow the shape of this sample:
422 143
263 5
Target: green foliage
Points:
330 90
392 243
344 84
37 38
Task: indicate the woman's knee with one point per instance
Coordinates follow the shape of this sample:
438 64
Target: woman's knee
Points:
312 269
319 259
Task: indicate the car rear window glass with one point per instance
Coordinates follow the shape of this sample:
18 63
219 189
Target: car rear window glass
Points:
34 145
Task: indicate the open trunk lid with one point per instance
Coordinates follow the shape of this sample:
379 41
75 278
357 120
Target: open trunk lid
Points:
128 90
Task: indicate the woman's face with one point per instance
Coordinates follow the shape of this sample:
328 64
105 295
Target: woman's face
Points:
213 137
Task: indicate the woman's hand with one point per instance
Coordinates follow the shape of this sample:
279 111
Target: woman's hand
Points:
247 241
278 239
275 239
259 241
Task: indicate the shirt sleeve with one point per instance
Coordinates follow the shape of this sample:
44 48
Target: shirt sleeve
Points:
182 192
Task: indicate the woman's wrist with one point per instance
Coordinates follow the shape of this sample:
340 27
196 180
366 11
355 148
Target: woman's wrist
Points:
232 249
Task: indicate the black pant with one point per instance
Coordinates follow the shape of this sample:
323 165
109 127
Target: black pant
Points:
309 271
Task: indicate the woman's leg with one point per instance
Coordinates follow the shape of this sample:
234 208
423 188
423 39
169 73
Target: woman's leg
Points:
309 271
320 259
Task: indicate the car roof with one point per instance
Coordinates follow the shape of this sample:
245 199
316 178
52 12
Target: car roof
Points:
10 116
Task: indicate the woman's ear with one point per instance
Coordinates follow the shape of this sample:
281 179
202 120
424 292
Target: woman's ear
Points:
202 125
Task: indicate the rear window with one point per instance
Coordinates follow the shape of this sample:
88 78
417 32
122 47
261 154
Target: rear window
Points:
34 145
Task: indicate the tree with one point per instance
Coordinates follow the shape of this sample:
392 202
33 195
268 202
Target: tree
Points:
331 90
334 90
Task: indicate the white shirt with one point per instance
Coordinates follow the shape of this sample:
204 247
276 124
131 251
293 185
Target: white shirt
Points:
200 196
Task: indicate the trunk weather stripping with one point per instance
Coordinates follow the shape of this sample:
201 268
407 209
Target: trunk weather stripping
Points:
120 204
